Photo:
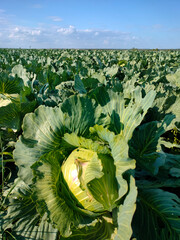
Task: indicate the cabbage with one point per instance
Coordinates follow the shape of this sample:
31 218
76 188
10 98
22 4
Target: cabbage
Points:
91 178
77 167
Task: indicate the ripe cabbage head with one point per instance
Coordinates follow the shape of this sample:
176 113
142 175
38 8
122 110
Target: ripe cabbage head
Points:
75 169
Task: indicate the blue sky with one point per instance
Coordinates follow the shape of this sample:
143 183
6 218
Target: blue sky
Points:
89 24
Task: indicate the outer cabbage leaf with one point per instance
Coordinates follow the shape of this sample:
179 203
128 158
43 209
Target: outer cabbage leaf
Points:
167 176
14 106
20 71
167 102
125 115
25 221
125 214
80 114
172 166
38 139
119 150
10 116
144 145
175 109
98 229
157 215
78 84
174 79
10 85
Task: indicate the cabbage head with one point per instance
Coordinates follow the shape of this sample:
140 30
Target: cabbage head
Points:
76 179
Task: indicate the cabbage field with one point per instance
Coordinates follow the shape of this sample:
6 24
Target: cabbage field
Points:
90 144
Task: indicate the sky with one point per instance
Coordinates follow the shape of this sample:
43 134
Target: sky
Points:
111 24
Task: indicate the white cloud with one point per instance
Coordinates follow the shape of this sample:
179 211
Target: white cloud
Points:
22 34
67 31
93 38
85 30
64 37
36 32
55 18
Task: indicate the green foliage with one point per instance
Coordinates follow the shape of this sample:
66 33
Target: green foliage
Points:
159 208
89 144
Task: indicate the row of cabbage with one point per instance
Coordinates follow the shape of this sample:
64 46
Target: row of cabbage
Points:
90 144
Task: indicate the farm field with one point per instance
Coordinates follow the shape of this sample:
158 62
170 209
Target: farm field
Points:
90 144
